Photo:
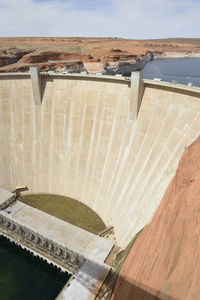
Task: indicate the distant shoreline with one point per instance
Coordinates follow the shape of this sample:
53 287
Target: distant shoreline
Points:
128 66
176 55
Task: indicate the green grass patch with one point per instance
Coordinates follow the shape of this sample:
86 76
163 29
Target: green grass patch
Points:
66 209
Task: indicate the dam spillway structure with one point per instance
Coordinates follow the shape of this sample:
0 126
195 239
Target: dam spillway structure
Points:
111 143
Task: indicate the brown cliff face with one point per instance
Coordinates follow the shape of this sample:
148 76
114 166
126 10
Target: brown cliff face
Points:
11 56
72 67
45 56
164 262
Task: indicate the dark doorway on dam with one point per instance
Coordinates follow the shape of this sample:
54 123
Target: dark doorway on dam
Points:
26 277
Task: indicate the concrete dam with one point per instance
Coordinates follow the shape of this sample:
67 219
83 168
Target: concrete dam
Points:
110 142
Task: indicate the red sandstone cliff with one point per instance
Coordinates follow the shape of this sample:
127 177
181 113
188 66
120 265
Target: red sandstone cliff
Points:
164 262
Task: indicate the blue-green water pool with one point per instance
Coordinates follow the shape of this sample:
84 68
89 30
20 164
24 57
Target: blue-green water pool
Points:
26 277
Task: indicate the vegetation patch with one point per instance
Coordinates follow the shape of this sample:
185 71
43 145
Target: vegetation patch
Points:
66 209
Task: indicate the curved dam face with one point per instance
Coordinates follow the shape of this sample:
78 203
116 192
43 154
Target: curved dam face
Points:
81 143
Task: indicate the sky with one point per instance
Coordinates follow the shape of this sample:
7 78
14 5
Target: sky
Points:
135 19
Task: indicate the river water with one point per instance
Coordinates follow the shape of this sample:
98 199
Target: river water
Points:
26 277
181 70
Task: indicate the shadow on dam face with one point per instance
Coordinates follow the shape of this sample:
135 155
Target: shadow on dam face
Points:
81 143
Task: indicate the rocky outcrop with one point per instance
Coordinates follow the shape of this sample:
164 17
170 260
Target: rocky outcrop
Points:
72 67
125 67
11 56
49 56
122 56
164 261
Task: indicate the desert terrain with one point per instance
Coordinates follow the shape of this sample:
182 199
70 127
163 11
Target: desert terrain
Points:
105 55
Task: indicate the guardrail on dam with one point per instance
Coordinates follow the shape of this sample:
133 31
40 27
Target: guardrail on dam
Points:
91 140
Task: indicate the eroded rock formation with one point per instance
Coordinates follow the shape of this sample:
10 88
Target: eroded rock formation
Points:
48 56
11 56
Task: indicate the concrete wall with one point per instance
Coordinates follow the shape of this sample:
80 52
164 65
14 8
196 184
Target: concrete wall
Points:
82 143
